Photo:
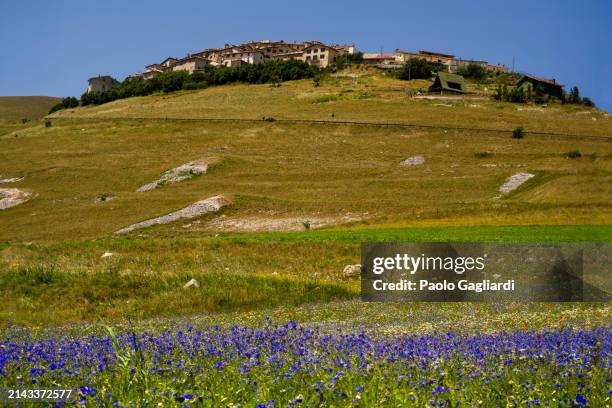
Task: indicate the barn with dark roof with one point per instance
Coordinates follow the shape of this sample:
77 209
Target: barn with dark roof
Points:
548 87
446 82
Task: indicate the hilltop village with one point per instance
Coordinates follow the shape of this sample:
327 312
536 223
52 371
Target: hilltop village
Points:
450 71
314 53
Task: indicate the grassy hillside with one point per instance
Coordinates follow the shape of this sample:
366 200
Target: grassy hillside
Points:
30 107
322 174
361 96
285 181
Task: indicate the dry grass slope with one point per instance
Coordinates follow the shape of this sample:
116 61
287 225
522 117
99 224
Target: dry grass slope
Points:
30 107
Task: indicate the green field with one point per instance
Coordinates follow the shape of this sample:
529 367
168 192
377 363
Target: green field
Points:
303 196
66 282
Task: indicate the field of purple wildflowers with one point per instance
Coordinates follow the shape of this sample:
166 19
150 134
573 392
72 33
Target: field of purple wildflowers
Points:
311 365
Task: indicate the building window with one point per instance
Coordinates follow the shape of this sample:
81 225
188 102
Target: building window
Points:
307 51
314 58
322 49
308 58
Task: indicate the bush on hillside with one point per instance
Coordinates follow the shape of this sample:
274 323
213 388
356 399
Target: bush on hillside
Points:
517 95
66 103
483 155
588 102
518 133
269 72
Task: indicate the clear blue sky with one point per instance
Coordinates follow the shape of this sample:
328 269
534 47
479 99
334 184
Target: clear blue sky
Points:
52 47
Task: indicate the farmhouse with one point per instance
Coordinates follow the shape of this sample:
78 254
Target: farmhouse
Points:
548 87
446 82
101 84
319 54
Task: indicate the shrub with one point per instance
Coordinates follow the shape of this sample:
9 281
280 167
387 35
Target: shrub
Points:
316 81
47 123
588 102
483 155
573 154
517 95
518 133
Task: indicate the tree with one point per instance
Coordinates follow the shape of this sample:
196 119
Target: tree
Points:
271 71
574 95
473 71
343 60
66 103
415 68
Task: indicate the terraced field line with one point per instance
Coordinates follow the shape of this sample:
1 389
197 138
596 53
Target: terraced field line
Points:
333 122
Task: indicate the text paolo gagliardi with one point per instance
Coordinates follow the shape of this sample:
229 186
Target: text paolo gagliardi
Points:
461 267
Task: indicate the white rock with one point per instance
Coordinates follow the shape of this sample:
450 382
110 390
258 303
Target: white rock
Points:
12 180
212 204
514 181
10 197
352 270
413 161
107 255
177 174
191 283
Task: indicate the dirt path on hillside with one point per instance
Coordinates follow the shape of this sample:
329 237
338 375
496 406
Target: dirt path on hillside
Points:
260 224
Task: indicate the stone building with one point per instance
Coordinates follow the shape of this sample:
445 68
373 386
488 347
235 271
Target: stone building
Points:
190 64
101 83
